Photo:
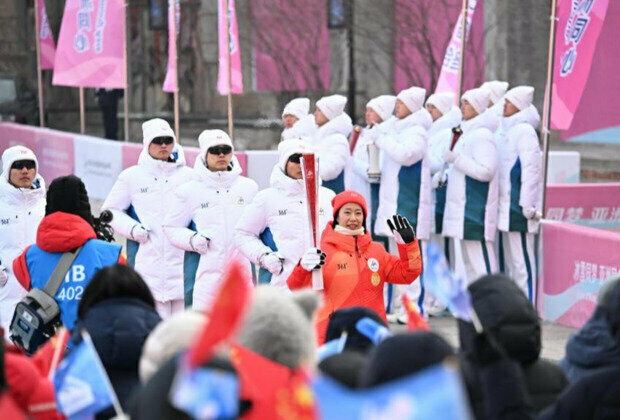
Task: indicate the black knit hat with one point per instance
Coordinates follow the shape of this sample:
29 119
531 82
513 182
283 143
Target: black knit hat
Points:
345 319
68 195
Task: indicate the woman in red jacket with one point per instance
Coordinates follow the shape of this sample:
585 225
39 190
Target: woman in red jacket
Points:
354 267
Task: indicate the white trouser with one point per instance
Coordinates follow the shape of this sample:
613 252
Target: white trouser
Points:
478 258
519 260
169 308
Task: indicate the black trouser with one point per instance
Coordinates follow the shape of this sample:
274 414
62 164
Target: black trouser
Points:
110 122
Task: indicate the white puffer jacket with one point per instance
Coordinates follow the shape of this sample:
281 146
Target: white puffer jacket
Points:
304 127
472 192
143 193
21 211
211 203
282 209
332 146
405 173
520 171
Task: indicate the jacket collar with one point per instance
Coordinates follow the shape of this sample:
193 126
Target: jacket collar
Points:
286 184
528 116
344 242
449 120
156 167
340 125
419 118
488 119
217 179
62 232
21 196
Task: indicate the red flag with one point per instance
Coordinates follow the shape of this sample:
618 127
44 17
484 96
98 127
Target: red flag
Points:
226 315
9 408
51 353
415 321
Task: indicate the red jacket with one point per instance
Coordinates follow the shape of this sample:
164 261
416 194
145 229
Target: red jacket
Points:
354 273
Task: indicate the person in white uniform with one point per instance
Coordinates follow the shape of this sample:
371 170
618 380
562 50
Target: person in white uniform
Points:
298 122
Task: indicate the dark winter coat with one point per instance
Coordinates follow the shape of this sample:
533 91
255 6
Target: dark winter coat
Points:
506 313
119 327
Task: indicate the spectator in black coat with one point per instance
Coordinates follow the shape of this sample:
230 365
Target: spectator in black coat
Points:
118 311
506 313
108 103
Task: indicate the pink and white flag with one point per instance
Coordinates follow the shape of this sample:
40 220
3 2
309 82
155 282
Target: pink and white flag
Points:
449 76
174 20
47 49
579 25
226 12
91 45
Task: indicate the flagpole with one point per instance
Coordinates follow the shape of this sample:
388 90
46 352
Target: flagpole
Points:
37 18
463 45
82 111
126 95
176 66
547 102
117 405
62 338
230 109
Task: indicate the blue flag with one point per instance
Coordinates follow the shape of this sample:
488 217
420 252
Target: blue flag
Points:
434 393
332 347
445 285
371 329
81 384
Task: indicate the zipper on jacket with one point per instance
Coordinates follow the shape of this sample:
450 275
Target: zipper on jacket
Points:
357 250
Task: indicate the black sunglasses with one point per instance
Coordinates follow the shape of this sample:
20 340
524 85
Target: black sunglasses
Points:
220 150
20 164
295 158
162 140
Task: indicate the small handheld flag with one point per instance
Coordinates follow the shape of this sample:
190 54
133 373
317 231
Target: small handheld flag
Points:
415 320
372 329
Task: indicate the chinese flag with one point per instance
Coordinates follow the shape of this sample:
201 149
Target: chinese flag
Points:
415 321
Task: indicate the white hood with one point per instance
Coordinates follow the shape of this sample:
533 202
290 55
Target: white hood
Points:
340 125
529 116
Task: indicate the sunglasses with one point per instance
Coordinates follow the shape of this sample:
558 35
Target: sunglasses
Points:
162 140
295 158
220 150
21 164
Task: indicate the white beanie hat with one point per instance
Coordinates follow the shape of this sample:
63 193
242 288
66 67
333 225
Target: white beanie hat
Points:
383 105
442 101
289 147
478 98
155 127
299 107
331 106
413 98
13 154
496 88
210 138
521 96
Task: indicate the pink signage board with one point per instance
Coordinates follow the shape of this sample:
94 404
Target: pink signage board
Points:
595 205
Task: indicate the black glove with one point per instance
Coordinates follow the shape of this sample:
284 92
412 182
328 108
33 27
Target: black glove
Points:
401 227
487 350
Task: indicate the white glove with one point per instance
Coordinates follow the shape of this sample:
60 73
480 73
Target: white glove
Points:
450 156
529 213
139 233
272 262
199 243
4 275
313 259
439 180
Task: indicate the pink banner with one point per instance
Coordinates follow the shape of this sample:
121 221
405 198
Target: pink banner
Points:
47 48
576 260
227 15
420 50
578 28
291 45
595 205
91 45
174 21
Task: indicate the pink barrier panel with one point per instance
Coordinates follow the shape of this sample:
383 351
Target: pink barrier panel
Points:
595 205
575 262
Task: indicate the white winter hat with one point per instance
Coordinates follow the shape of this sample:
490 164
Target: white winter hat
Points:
413 98
299 107
383 105
210 138
168 338
331 106
478 98
289 147
496 88
12 155
155 127
442 101
521 96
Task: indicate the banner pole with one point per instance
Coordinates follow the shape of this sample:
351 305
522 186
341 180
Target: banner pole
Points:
125 58
463 45
176 66
82 111
230 109
547 102
37 19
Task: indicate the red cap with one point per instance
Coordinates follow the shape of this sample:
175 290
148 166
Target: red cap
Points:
348 197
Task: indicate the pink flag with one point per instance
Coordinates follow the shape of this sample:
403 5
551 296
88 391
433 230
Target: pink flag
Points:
449 76
47 48
174 12
91 45
226 12
579 25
